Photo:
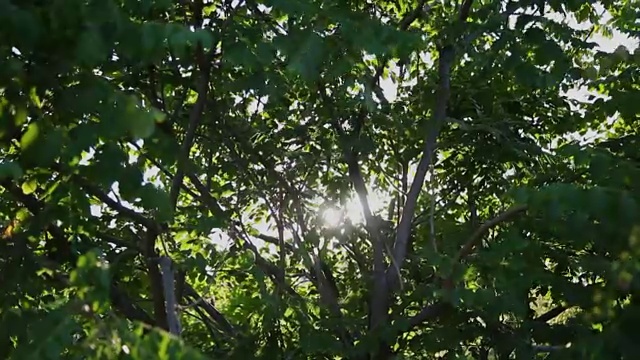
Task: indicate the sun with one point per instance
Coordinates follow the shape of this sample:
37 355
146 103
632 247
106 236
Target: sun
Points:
334 216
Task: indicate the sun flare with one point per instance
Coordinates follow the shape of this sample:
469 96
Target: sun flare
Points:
352 210
332 217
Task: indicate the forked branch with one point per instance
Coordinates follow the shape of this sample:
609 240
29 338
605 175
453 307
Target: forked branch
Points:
404 228
445 62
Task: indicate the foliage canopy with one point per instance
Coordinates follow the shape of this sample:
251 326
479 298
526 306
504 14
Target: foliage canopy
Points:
167 168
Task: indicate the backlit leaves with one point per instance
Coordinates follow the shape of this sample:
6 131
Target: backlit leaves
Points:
100 118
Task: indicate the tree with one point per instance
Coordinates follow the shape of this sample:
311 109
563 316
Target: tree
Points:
167 168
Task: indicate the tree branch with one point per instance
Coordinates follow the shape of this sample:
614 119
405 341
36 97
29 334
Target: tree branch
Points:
205 196
429 313
119 300
380 294
237 233
551 314
412 16
464 10
404 24
477 236
274 241
135 216
164 170
213 313
171 305
194 120
548 348
404 228
153 229
126 307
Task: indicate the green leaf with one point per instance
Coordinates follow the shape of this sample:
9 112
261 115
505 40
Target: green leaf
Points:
157 200
30 136
80 81
158 115
91 48
30 186
10 170
308 58
179 40
153 37
203 37
50 148
143 125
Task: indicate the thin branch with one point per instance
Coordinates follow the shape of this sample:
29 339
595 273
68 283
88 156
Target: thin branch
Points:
194 120
423 217
477 236
116 206
205 196
191 304
551 314
282 245
326 288
429 313
118 298
548 348
327 292
404 24
432 212
148 249
412 16
274 241
166 172
206 321
237 233
472 206
351 159
325 282
379 295
155 277
126 307
213 313
116 240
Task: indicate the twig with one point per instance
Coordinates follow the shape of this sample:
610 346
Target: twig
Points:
237 233
274 241
148 248
191 304
549 348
